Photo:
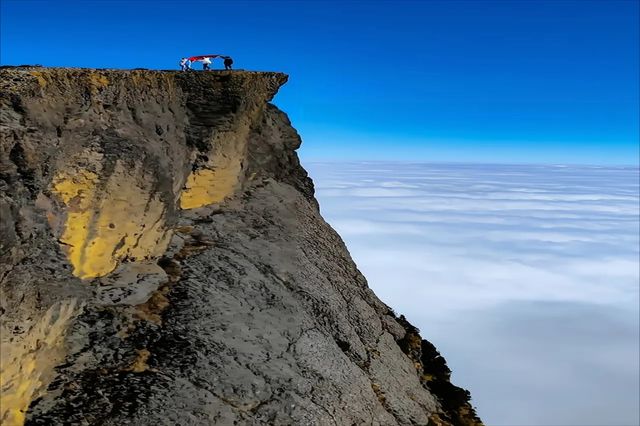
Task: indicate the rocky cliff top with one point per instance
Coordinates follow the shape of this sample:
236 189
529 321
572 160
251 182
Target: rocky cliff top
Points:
163 261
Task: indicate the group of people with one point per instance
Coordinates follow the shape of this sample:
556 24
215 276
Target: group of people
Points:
185 63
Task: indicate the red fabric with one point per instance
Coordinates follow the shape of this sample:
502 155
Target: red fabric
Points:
201 57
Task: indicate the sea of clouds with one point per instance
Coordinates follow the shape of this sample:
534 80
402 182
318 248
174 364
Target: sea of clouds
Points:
525 277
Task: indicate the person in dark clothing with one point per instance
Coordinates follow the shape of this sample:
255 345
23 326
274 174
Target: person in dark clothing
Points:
228 62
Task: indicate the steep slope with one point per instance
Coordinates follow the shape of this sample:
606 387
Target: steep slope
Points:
163 261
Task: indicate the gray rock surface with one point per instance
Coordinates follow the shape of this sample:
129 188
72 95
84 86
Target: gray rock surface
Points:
163 262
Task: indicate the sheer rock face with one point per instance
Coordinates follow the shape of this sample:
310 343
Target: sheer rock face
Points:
163 261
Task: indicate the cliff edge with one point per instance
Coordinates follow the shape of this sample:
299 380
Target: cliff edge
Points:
163 262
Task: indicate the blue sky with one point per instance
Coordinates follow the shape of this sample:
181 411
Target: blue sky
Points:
474 81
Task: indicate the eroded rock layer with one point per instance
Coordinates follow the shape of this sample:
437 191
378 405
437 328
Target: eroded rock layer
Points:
163 261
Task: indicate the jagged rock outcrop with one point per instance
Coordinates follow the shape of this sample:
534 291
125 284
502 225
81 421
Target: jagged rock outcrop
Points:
163 261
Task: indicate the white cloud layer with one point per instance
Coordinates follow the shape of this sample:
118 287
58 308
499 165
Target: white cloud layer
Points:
525 277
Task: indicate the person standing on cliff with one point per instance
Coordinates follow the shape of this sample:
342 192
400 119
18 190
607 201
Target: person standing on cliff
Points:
184 64
206 62
227 62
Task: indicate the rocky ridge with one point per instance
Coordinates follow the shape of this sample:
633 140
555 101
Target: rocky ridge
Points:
163 261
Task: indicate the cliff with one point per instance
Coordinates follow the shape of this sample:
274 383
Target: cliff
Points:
163 261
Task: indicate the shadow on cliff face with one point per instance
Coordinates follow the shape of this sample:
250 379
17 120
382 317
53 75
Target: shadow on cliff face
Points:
435 375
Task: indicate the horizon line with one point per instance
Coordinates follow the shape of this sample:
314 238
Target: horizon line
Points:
447 162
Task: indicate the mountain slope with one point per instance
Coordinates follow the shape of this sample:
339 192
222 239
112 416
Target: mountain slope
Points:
163 261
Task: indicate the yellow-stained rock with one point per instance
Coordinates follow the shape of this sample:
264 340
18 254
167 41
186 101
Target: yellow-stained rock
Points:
110 218
205 186
26 364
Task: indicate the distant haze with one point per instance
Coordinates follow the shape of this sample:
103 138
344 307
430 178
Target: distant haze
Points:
525 277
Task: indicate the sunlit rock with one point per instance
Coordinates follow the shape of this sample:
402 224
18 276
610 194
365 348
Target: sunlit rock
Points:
110 218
